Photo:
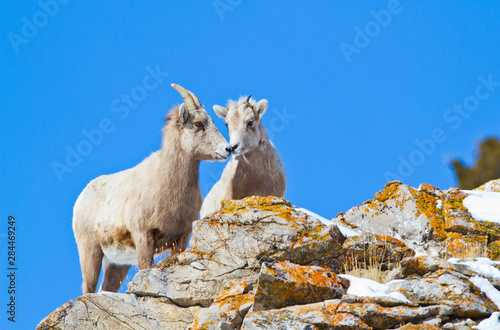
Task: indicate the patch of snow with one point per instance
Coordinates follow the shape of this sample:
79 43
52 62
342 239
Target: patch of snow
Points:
482 266
363 287
491 323
347 232
314 215
485 286
439 204
483 205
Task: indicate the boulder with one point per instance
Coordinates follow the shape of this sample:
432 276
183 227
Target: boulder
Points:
284 284
425 265
428 220
118 311
227 311
379 317
307 317
448 288
396 211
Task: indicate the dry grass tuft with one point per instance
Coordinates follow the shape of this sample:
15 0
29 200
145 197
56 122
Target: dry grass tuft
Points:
167 257
370 268
476 249
374 265
167 262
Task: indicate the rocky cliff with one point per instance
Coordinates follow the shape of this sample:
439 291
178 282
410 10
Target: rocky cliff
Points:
261 263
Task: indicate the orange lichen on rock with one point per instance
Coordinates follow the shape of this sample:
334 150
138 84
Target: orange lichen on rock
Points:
312 275
236 290
270 203
449 222
493 185
459 246
466 236
391 189
284 284
230 307
54 318
427 204
411 326
321 315
494 250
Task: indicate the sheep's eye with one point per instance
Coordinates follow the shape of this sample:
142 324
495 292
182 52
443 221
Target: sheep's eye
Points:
198 124
250 123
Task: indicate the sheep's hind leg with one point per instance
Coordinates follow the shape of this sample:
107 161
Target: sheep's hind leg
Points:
90 261
113 276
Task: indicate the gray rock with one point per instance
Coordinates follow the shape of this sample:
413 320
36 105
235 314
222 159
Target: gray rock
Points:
447 289
313 316
118 311
186 285
388 317
426 219
436 321
459 325
425 265
227 311
284 284
384 301
398 217
495 282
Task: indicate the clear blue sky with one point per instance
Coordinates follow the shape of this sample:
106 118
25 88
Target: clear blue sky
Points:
352 85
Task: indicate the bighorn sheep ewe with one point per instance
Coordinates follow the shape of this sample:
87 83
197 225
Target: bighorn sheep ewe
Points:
256 167
127 217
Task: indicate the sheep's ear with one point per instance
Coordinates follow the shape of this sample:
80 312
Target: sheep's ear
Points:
183 113
220 111
261 107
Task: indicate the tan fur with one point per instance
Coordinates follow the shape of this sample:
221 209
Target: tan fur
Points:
127 217
255 168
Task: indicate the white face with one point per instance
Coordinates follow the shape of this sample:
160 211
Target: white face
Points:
243 122
200 137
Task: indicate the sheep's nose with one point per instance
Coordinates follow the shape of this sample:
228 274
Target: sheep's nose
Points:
229 149
235 147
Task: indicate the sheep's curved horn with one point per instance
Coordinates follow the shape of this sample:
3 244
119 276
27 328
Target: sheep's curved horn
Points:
195 99
248 99
186 96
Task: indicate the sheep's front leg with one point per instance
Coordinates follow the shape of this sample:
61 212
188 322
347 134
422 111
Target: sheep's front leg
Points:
145 247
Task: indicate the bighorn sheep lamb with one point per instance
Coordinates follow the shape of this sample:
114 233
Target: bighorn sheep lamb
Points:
127 217
255 168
